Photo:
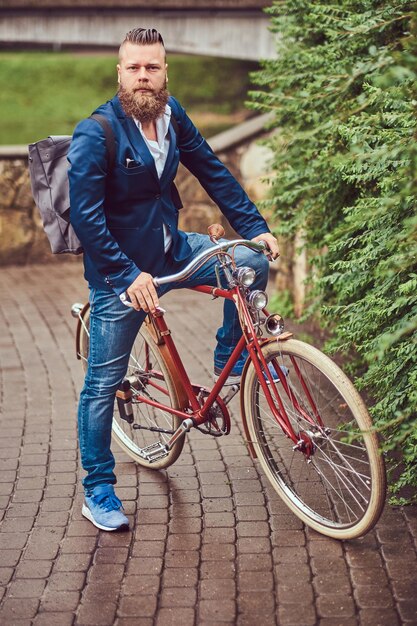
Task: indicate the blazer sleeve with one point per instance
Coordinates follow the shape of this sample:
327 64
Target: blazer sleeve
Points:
87 181
216 179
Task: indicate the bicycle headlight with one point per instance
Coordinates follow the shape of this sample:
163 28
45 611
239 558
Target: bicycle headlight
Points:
245 276
258 299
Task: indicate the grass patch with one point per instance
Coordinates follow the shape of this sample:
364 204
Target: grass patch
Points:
49 93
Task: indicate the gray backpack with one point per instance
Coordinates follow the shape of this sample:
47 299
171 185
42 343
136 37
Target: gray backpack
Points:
48 171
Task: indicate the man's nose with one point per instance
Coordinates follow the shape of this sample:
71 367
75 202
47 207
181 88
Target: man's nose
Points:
142 75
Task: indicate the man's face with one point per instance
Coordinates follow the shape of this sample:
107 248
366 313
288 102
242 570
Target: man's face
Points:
142 70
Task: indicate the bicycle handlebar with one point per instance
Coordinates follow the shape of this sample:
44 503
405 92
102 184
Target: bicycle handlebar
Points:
204 256
199 259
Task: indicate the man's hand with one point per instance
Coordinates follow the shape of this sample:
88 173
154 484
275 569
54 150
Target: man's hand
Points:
142 293
271 242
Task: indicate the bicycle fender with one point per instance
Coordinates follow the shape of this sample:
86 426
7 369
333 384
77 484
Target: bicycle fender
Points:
248 442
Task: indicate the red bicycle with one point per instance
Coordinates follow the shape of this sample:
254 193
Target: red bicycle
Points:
303 419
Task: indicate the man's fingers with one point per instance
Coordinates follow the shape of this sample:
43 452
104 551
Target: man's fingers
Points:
144 299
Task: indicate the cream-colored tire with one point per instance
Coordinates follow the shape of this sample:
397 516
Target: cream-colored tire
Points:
340 490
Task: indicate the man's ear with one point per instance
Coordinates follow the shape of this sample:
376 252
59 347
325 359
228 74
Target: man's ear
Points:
118 73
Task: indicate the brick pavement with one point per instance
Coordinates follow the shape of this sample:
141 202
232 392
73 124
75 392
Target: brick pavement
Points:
210 542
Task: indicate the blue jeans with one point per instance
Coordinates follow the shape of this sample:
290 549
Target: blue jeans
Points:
113 329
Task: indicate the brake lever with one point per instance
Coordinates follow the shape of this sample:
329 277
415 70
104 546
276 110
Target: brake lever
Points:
267 250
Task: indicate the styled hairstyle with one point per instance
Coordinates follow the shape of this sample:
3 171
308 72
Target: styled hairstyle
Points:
143 37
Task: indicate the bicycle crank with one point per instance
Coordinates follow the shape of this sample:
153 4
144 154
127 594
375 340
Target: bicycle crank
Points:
217 421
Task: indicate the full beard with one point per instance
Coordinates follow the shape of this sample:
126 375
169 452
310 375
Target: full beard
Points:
143 107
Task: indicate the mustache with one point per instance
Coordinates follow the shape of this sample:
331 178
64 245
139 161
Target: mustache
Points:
143 86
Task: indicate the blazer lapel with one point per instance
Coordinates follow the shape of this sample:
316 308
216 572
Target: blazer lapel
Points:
171 150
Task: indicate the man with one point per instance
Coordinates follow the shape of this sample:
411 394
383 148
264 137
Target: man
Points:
127 222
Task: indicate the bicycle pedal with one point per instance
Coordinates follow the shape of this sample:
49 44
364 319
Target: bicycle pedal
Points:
154 452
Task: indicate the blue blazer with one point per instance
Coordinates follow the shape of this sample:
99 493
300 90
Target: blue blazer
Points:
118 214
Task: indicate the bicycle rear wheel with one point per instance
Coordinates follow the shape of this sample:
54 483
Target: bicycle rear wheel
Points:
149 375
340 490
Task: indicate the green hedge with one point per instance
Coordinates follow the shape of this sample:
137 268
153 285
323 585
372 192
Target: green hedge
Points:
343 90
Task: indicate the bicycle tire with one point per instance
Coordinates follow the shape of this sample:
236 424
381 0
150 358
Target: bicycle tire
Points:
340 492
133 438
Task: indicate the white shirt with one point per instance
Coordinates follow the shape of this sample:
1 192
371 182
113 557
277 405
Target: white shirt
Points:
159 151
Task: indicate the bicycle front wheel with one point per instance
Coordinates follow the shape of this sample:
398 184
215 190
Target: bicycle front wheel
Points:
339 488
149 374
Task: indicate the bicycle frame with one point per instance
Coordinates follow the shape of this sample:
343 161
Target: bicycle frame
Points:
195 413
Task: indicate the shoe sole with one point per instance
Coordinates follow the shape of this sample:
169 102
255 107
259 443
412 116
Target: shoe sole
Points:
87 513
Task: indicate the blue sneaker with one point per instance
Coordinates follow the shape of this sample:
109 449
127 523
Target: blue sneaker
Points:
104 509
234 379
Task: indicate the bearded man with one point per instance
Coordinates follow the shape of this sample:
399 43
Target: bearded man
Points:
126 218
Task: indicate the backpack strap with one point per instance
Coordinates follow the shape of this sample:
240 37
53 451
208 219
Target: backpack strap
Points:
109 135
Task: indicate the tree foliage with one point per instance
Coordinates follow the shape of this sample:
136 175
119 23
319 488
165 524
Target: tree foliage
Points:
343 90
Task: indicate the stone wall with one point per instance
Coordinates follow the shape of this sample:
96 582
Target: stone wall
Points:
23 241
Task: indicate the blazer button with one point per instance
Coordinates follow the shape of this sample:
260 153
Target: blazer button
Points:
158 196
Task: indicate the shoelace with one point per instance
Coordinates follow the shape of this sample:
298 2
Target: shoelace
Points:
108 501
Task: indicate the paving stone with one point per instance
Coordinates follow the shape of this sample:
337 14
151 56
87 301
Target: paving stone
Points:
181 558
111 555
54 619
90 616
217 611
218 569
219 535
174 598
177 577
130 607
217 505
28 509
143 584
10 558
33 569
254 545
12 540
145 565
341 582
55 518
335 605
254 562
66 581
174 616
44 543
252 529
211 589
180 542
6 574
408 610
75 545
210 552
13 609
371 576
26 588
153 532
376 617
